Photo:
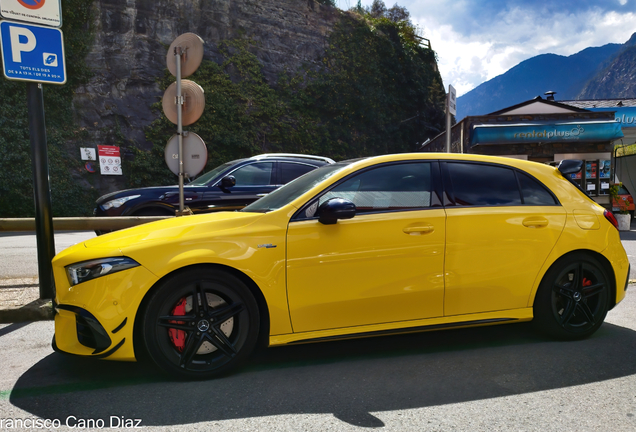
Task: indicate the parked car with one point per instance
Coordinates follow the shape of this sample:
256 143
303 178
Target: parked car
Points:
624 201
382 245
230 186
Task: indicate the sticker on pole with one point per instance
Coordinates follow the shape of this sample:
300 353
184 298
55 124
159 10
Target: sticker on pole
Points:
109 160
45 12
32 53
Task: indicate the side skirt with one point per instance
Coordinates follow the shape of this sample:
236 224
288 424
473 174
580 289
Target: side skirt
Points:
483 319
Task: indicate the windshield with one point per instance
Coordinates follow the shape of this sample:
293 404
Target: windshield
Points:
294 189
210 175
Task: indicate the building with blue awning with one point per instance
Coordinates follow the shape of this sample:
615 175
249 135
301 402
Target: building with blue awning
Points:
544 130
564 131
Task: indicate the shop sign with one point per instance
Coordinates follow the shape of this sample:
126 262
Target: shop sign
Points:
546 132
626 116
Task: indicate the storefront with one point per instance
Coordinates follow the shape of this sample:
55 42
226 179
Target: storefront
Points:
546 131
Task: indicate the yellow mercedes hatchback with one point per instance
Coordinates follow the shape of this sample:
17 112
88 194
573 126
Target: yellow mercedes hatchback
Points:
388 244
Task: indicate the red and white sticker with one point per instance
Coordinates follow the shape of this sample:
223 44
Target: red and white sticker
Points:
109 160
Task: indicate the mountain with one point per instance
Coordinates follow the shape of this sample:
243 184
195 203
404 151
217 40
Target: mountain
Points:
568 76
616 80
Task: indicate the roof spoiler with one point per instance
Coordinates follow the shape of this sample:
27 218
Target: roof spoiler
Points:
571 166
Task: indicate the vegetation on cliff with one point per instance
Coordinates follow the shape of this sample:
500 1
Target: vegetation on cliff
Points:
69 196
375 90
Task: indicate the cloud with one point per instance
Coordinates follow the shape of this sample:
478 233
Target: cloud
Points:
476 40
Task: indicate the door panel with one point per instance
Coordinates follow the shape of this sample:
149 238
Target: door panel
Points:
374 268
494 254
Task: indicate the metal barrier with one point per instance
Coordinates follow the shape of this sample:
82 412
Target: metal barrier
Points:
79 223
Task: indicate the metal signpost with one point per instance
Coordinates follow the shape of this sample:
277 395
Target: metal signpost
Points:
451 109
184 99
35 54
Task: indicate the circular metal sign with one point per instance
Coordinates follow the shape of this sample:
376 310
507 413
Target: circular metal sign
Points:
192 47
195 154
193 102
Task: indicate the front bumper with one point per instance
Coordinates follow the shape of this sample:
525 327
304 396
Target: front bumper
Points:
96 318
89 337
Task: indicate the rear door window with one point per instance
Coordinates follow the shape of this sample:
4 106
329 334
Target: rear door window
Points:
477 184
534 193
289 171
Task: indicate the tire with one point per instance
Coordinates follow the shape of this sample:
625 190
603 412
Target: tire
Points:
213 337
573 298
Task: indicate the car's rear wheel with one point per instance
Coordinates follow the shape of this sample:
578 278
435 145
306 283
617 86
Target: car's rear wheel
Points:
200 323
573 298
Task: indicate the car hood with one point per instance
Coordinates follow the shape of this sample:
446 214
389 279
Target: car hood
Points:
179 229
151 190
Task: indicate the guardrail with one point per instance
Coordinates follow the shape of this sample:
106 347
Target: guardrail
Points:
79 223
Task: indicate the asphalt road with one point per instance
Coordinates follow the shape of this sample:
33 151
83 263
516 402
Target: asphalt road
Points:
19 251
504 378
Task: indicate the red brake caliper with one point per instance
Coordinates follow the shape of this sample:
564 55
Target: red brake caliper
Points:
586 282
178 337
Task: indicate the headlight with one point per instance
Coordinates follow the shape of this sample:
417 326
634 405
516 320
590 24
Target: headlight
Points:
87 270
116 203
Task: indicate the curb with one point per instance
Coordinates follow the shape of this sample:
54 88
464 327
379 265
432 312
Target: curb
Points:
38 310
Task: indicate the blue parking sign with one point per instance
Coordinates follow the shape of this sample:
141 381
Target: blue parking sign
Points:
32 53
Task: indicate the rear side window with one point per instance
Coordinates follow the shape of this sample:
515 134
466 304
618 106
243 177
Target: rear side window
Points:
483 185
534 193
289 171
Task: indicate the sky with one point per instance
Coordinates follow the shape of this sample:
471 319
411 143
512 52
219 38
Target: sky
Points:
477 40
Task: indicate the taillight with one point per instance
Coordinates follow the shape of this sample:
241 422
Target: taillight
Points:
610 217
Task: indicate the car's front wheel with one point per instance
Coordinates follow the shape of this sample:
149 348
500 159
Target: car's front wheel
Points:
200 323
573 298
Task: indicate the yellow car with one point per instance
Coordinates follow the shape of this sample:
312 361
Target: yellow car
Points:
388 244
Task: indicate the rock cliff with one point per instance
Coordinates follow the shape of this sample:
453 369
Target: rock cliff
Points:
132 38
617 79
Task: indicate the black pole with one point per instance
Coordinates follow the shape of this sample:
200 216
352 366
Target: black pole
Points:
41 189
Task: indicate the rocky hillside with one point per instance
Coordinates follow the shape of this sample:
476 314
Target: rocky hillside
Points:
616 80
279 75
131 41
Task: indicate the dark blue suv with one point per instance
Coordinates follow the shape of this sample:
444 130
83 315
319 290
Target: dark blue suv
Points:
230 186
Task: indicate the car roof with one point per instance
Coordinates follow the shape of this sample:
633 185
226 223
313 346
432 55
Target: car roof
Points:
292 156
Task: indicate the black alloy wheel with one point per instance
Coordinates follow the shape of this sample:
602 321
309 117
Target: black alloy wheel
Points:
573 298
200 323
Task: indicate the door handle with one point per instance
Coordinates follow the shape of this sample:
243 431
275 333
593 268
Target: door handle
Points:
535 222
418 230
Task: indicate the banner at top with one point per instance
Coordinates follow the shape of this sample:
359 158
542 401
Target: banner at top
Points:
509 133
626 116
43 12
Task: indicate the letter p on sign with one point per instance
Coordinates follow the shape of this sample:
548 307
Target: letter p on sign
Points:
22 40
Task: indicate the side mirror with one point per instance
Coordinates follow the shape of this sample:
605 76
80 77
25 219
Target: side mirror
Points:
228 181
336 208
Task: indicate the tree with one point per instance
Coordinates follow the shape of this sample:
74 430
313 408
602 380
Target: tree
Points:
398 13
377 9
